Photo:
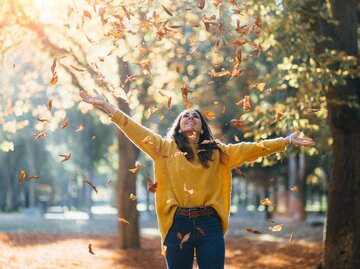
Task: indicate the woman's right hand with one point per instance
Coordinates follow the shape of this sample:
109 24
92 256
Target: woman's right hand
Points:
98 100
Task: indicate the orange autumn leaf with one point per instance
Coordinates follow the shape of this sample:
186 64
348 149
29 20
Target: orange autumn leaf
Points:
201 230
222 73
239 172
266 201
122 220
209 115
294 189
65 123
33 177
53 66
136 168
87 14
184 239
40 135
54 80
90 184
49 104
77 68
279 115
245 102
261 145
145 66
297 131
260 86
167 11
276 228
43 120
110 52
65 157
132 197
127 14
238 123
151 186
80 128
163 250
253 231
179 235
91 250
201 4
184 93
22 176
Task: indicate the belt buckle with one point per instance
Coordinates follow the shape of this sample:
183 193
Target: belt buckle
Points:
190 210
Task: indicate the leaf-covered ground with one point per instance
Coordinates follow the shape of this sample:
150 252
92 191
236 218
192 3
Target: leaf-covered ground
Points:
50 251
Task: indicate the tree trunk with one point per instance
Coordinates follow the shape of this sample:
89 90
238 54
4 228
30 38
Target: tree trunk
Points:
342 242
126 181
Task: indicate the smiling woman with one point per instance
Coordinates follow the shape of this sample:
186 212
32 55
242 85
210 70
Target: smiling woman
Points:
193 188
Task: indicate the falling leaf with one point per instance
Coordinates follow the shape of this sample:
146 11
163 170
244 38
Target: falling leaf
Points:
126 12
87 14
90 184
249 230
132 197
54 80
279 115
122 220
80 128
184 93
261 145
179 235
91 250
131 78
77 68
294 189
33 177
145 66
239 172
276 228
297 131
201 230
291 237
313 109
43 120
108 182
110 52
53 66
266 201
167 11
185 238
65 123
208 115
40 135
22 176
65 156
219 74
136 168
238 123
151 186
179 153
260 86
245 102
236 138
49 104
151 110
163 250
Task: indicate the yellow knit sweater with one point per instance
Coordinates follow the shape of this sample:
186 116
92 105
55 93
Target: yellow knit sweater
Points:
173 172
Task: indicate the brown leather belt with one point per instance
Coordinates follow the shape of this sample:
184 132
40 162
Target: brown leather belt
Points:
195 212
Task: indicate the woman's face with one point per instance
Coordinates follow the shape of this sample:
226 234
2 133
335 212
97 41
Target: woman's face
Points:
190 122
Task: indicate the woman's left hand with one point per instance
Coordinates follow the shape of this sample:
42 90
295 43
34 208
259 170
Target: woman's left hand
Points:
299 141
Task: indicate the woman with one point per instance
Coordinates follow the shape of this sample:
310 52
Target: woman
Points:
193 173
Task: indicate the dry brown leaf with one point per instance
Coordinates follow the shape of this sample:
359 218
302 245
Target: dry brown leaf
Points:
151 186
54 80
253 231
122 220
132 197
238 123
266 201
136 168
22 176
40 135
65 156
276 228
209 115
90 184
33 177
43 120
184 239
77 68
108 182
65 123
91 250
167 11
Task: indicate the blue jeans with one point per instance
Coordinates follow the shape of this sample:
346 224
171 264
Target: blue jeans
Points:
206 237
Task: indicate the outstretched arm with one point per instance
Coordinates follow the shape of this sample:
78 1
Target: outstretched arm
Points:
250 152
145 139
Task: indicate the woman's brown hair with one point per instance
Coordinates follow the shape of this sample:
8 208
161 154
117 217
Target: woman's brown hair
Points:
205 151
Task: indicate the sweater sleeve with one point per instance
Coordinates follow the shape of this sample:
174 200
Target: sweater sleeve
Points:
145 139
250 152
